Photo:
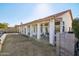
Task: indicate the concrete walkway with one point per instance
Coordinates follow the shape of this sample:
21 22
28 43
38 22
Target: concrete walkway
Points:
18 45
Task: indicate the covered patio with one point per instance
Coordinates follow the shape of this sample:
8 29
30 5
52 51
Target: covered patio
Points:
46 28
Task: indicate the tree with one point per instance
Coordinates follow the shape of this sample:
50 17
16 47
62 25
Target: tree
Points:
75 26
3 25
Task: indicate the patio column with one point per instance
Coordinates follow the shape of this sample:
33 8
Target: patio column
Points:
26 30
38 31
31 30
61 27
51 31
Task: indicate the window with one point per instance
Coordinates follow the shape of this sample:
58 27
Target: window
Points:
63 27
57 26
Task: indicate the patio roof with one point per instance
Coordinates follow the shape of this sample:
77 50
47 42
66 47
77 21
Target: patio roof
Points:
49 17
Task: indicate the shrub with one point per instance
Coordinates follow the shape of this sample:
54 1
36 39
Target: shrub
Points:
75 26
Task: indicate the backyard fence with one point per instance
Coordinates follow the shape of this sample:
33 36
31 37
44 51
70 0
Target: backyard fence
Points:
2 38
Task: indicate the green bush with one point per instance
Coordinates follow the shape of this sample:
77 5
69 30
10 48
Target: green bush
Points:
75 26
3 25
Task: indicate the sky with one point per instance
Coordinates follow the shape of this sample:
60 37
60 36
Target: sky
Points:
16 13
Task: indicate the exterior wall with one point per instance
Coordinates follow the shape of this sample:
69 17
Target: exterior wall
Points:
66 18
68 21
29 29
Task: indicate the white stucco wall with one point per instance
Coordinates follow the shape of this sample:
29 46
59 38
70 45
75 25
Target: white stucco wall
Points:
66 17
68 21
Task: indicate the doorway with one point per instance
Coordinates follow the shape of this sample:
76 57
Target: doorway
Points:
57 30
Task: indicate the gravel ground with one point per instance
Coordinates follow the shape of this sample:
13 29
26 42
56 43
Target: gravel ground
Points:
18 45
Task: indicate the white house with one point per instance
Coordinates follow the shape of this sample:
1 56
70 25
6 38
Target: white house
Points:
46 28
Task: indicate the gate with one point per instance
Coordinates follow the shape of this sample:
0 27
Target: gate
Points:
65 44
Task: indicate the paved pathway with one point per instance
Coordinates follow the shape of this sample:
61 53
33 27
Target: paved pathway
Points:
18 45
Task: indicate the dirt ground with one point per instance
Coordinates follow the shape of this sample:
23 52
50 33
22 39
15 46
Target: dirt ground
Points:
18 45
